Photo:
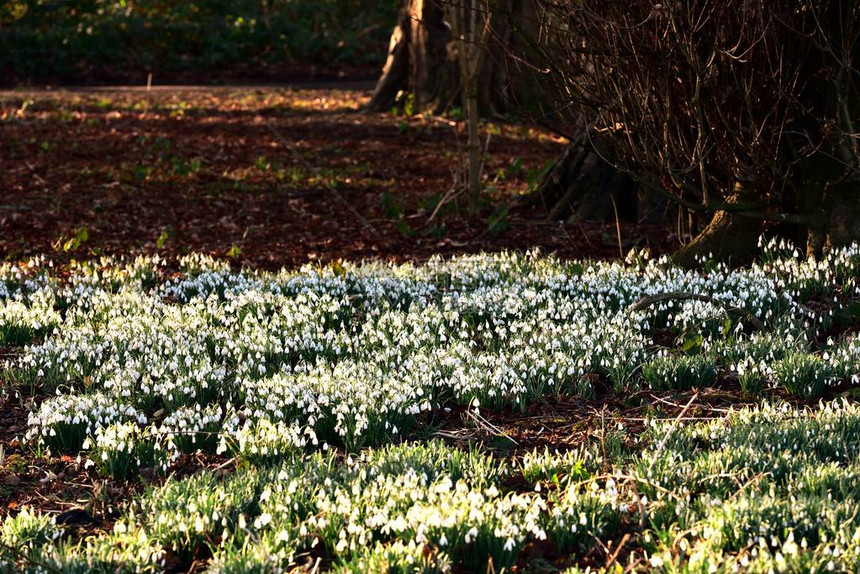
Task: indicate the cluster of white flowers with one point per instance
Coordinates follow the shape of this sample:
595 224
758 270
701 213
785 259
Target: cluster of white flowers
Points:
188 429
22 319
142 365
422 495
267 441
844 357
120 438
65 421
410 556
582 513
567 466
440 512
684 372
20 279
767 488
799 467
352 354
26 530
120 450
752 373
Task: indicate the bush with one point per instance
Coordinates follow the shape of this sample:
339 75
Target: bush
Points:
679 373
804 375
120 450
24 535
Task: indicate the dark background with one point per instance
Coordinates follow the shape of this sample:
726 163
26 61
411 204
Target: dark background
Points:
97 41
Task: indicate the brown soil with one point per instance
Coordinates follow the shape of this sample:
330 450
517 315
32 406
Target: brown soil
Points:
197 168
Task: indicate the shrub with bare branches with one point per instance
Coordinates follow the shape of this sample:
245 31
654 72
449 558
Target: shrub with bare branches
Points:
745 110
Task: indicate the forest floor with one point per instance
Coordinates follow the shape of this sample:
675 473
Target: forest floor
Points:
92 171
87 172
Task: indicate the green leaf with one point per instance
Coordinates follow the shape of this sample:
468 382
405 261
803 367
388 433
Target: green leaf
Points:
162 239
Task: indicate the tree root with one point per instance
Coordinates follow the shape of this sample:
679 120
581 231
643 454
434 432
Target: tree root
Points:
649 300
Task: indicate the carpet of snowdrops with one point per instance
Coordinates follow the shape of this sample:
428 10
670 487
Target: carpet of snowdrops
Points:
315 383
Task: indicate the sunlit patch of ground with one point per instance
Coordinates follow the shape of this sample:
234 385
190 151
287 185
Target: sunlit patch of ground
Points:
194 169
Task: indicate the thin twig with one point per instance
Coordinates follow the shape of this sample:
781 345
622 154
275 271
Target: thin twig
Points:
617 227
706 407
675 424
618 548
487 425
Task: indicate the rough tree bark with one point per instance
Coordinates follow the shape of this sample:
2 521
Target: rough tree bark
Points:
583 187
419 60
728 235
423 63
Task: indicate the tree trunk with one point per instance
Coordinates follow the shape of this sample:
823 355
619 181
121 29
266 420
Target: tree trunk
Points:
843 215
728 236
419 61
474 147
395 72
583 187
471 31
423 62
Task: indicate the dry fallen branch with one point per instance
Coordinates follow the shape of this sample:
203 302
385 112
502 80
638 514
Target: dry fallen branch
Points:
489 427
675 424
